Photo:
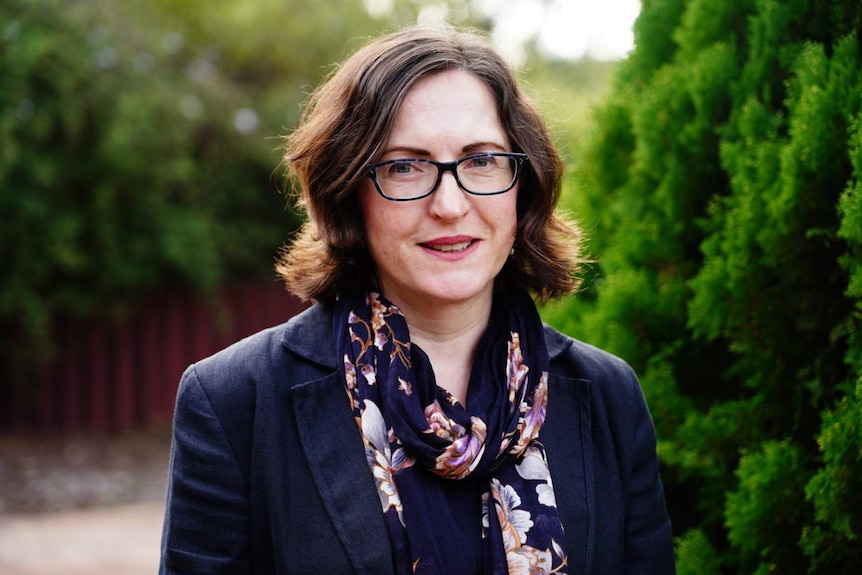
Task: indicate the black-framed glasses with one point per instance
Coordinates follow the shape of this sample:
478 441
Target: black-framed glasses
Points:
484 174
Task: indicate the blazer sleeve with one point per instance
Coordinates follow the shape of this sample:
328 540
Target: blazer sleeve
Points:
206 528
649 541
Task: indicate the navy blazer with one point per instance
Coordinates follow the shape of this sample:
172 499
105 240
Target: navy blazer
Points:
268 470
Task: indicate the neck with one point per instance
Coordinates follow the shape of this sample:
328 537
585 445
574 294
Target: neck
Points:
449 336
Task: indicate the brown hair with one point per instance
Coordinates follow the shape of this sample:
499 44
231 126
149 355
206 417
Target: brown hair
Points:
346 123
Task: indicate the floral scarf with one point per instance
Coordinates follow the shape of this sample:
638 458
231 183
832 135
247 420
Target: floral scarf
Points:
419 440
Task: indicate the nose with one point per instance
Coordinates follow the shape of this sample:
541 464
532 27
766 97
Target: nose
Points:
449 201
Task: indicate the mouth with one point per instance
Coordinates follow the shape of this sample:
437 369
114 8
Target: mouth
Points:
450 248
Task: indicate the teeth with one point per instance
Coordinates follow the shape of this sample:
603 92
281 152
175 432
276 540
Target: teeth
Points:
451 247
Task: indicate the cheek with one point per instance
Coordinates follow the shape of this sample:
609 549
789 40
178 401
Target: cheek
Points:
508 219
370 207
365 197
376 219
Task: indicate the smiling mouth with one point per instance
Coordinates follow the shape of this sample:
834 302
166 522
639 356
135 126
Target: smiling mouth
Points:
449 248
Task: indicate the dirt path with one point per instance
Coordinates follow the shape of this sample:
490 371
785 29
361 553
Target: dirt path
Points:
87 504
122 540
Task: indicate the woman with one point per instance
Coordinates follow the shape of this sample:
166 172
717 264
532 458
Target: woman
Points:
419 417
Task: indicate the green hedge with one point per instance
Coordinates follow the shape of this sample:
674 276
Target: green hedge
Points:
139 149
721 190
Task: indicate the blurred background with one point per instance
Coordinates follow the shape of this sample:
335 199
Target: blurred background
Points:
714 154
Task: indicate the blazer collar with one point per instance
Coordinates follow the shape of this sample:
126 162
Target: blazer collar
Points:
309 335
557 343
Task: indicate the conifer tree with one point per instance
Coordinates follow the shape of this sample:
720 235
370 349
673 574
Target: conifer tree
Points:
721 190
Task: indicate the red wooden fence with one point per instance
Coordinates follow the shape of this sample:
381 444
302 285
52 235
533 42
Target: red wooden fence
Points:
118 376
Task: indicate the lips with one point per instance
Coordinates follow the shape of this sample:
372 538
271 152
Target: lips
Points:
449 245
447 248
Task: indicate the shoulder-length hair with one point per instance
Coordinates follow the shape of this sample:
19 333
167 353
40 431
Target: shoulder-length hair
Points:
343 129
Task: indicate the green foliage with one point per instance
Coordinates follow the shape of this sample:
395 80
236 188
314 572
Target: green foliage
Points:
834 541
766 505
850 210
139 143
566 91
138 148
720 189
696 555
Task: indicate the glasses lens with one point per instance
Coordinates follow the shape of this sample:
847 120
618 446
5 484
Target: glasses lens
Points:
482 174
487 174
406 179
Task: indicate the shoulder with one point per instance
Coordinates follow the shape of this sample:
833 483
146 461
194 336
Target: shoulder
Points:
282 355
576 359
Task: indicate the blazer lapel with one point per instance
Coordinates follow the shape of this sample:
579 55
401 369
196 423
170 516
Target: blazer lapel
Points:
332 445
568 440
336 456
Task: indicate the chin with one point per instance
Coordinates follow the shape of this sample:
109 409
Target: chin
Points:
458 293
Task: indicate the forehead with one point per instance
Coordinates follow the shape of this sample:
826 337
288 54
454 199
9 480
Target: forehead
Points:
448 107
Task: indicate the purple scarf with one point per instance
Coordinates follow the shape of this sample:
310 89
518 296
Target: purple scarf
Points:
419 440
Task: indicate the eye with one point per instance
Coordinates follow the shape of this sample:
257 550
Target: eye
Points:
400 168
404 170
481 163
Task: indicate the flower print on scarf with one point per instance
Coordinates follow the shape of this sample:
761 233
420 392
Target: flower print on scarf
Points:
531 414
514 522
381 329
378 334
441 424
516 370
379 312
534 467
533 417
460 457
528 560
384 464
426 430
369 373
405 386
349 373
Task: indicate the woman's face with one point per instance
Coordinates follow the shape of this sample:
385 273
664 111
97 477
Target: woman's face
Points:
448 247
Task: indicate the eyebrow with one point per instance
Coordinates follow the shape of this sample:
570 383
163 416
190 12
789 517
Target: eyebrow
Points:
469 148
